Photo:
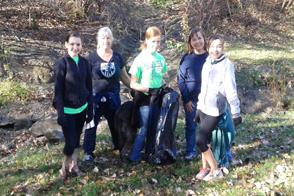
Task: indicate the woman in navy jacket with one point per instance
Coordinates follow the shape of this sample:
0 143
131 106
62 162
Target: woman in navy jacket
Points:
189 82
73 100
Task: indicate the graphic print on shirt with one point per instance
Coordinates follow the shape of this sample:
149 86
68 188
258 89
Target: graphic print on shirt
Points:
154 69
107 69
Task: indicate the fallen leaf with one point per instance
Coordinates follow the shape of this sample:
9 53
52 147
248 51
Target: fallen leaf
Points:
83 182
179 180
95 170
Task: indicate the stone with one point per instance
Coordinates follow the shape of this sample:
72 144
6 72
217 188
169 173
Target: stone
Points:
49 128
22 122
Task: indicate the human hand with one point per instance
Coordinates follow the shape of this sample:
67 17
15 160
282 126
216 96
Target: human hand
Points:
154 91
197 117
237 121
61 120
189 106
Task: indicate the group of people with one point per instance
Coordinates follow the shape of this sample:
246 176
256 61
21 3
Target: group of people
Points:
86 89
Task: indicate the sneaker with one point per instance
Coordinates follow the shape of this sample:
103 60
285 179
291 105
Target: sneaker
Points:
214 174
202 173
87 158
190 156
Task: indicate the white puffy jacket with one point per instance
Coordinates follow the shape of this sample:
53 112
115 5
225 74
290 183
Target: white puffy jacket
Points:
218 87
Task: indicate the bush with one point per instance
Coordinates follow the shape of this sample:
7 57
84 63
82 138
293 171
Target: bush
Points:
13 91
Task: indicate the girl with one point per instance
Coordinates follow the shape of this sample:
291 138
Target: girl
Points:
147 78
73 100
108 68
218 87
189 82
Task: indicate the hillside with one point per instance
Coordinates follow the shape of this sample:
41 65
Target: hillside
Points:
259 38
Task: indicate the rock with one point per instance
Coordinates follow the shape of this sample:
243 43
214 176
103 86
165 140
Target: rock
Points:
54 135
8 146
42 74
5 121
49 128
22 122
43 71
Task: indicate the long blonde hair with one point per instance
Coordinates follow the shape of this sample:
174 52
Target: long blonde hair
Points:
150 32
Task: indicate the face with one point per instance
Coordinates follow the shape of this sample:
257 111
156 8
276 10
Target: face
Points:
197 42
74 46
104 41
153 44
216 49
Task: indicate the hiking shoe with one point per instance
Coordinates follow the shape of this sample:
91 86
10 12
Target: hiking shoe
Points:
87 158
214 174
202 173
190 156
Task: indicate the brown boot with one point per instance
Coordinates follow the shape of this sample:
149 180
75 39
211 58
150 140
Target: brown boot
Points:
65 165
73 166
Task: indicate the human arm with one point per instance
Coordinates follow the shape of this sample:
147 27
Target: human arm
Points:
134 84
59 77
125 77
182 77
90 89
231 94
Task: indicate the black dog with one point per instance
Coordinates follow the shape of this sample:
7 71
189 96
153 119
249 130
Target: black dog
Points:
126 122
126 132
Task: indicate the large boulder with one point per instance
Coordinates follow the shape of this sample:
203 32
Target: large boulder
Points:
49 128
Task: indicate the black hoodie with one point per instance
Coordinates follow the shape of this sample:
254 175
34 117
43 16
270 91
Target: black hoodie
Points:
73 84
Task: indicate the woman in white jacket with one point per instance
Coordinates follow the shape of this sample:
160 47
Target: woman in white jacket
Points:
218 87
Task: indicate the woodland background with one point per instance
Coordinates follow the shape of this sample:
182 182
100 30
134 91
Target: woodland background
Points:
259 38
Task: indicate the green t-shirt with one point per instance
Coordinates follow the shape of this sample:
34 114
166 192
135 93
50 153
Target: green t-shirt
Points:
76 59
149 68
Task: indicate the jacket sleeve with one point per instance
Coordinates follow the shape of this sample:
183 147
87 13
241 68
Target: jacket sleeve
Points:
231 89
89 87
182 82
59 88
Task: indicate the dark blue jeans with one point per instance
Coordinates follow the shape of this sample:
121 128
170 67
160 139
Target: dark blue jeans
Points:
72 132
148 117
90 134
190 129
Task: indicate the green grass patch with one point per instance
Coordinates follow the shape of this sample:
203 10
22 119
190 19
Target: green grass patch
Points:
268 141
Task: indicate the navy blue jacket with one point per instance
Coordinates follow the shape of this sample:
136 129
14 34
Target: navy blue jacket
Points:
189 76
73 84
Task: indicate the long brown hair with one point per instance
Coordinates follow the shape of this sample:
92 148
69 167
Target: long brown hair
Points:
150 32
189 47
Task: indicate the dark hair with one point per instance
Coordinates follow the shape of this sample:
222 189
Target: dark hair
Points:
72 34
150 32
189 47
215 37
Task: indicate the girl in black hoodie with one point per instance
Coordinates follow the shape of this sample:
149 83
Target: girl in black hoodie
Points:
73 100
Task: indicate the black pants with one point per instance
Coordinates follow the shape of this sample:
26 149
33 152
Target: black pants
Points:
72 132
90 134
207 125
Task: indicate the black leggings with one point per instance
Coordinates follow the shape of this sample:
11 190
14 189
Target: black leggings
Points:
207 125
72 132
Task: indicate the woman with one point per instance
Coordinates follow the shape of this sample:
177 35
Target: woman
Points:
218 87
108 68
189 82
147 78
73 100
